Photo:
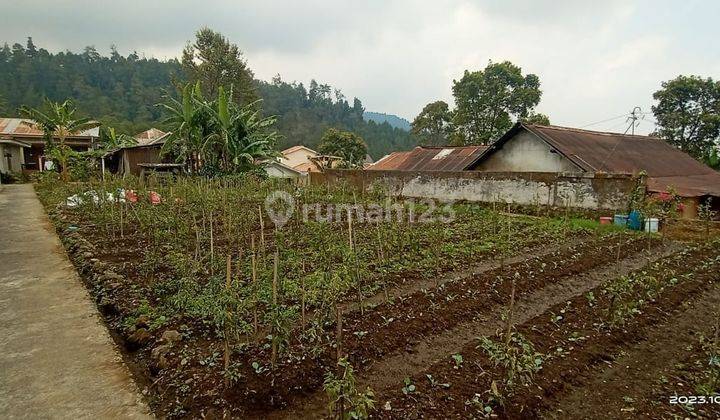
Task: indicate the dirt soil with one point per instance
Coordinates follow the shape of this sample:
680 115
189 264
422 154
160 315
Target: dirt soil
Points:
414 333
589 366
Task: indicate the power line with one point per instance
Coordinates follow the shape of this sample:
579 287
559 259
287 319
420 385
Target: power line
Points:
600 122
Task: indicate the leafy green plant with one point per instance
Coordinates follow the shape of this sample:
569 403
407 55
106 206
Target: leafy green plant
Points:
408 386
516 355
711 346
458 359
346 401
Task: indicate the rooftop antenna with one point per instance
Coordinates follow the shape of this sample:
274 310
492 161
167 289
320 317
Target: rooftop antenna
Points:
635 115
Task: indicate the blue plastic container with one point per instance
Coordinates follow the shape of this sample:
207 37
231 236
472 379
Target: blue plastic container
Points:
620 220
635 220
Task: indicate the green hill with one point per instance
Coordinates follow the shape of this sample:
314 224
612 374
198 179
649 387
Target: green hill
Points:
122 91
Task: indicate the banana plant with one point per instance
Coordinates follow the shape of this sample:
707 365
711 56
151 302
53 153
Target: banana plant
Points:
57 123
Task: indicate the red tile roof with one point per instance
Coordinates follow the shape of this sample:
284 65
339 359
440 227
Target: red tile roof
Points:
424 158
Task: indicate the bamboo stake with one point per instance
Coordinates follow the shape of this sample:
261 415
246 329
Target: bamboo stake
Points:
212 246
338 333
510 313
228 277
302 297
357 268
262 230
122 231
255 285
273 357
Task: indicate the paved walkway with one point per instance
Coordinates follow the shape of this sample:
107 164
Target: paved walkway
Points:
57 359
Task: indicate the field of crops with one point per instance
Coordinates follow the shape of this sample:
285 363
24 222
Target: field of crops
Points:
483 313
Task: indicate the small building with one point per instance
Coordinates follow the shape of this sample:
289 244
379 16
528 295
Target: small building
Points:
536 148
426 158
23 145
276 169
300 158
304 159
12 155
134 160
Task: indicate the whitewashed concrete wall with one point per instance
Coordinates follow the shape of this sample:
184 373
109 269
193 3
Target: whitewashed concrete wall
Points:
526 153
586 191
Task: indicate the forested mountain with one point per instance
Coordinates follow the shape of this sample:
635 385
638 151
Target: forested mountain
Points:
122 92
393 120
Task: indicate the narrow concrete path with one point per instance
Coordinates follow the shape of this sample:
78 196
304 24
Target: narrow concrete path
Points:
57 359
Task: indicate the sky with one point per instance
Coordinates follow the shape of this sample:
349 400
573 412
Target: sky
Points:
596 60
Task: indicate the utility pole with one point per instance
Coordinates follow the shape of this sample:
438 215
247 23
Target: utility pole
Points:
635 114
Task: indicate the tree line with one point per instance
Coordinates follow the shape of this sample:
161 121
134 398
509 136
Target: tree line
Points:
122 91
488 102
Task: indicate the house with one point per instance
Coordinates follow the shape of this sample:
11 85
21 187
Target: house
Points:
276 169
305 159
535 148
12 155
426 158
23 146
133 160
299 158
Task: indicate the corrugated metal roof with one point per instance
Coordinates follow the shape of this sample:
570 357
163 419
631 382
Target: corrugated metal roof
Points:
150 137
423 158
17 127
595 151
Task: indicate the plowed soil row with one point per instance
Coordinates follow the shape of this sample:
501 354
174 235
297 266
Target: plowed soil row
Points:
395 333
578 343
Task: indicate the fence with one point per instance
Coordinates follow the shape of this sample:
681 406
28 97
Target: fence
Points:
587 191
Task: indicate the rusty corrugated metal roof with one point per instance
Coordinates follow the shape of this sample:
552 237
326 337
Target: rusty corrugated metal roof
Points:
151 136
423 158
18 127
595 151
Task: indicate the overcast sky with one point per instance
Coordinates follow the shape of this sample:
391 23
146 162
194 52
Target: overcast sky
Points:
596 59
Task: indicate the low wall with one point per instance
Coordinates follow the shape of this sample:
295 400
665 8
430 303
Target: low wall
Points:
588 191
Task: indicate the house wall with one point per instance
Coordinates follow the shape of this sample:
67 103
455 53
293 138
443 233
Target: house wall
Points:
134 155
526 153
17 158
588 191
277 171
297 157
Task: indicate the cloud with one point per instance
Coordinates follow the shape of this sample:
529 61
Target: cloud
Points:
595 59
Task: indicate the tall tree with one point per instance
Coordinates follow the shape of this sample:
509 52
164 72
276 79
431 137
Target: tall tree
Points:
688 114
433 125
488 100
536 118
346 145
58 120
214 62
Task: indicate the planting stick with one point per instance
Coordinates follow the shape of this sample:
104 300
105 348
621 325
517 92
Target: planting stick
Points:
228 277
122 232
262 230
302 297
212 245
275 278
197 239
510 313
255 285
338 334
273 357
